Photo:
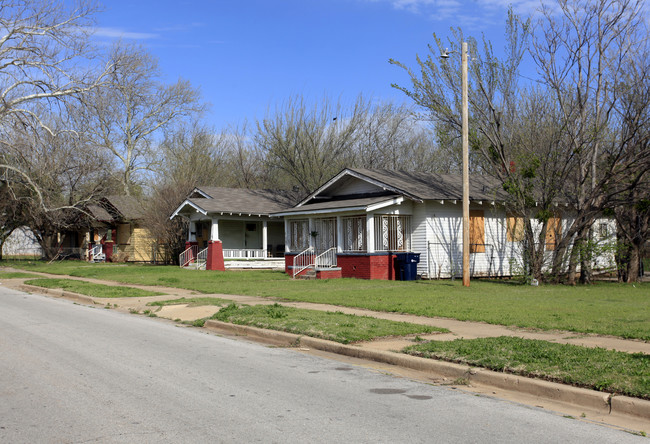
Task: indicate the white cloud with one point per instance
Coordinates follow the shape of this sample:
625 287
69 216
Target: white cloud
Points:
464 10
121 33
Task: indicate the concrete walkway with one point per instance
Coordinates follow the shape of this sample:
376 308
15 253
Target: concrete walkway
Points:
458 329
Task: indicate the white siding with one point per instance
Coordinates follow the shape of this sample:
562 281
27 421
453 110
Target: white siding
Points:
444 224
444 255
419 235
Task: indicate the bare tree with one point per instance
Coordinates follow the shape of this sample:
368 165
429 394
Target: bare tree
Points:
46 63
68 172
306 146
191 155
135 106
582 49
390 137
511 128
245 163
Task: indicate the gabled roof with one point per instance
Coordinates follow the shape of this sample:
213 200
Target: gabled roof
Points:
237 200
417 186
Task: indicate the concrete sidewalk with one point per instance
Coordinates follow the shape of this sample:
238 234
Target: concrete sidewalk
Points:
458 329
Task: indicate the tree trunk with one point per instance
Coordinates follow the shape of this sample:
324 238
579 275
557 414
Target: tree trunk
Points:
633 258
586 256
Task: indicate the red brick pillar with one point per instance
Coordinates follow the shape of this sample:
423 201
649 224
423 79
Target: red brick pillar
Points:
215 256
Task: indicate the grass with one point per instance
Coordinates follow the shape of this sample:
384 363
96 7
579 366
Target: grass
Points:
193 302
90 289
595 368
603 308
333 326
16 275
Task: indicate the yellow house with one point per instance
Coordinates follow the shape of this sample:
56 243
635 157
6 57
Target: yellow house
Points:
118 233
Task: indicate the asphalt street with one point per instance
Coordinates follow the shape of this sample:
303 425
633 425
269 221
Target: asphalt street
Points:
72 373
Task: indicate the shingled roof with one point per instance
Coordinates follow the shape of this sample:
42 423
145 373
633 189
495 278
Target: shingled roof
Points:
414 185
128 207
240 200
433 186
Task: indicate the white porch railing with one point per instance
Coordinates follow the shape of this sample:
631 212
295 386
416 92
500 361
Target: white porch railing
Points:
302 261
188 256
326 259
201 259
97 254
244 253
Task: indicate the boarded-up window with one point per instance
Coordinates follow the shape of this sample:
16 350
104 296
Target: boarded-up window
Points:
553 231
515 228
476 231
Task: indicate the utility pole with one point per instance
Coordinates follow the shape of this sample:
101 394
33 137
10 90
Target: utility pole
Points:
465 131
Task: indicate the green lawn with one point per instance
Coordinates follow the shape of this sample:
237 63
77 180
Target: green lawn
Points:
16 275
595 368
333 326
604 308
90 289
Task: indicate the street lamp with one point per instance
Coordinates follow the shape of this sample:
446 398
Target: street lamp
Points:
465 137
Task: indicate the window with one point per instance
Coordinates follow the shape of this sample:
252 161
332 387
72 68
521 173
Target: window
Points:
354 233
476 231
298 235
603 230
515 228
392 233
553 232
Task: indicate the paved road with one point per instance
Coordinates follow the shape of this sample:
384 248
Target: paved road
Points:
71 373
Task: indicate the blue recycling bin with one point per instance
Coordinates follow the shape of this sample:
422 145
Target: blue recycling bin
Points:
407 266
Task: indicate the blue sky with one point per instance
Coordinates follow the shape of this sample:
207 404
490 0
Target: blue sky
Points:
247 56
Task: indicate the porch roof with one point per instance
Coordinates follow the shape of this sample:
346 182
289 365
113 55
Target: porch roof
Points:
362 204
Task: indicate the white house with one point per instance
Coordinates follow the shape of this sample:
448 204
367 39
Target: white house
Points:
237 220
356 223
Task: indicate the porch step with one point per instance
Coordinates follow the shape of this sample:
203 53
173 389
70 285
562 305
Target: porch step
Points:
310 274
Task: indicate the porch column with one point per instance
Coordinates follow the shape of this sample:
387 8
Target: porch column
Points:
215 260
370 233
264 238
287 236
191 235
214 231
312 241
339 234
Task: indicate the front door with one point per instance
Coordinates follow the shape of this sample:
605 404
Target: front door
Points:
252 235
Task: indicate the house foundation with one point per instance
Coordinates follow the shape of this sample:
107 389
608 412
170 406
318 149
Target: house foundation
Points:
354 265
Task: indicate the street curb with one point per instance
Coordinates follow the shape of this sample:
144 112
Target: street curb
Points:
601 402
57 293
